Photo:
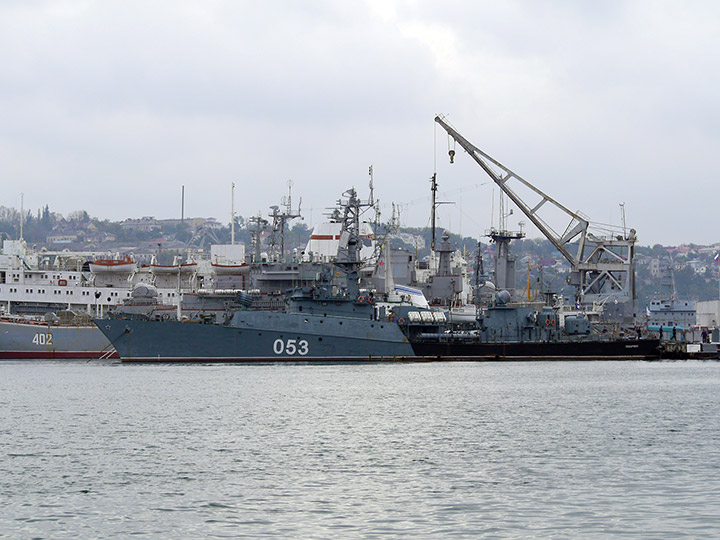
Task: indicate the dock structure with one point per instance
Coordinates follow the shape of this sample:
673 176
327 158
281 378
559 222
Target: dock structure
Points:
684 350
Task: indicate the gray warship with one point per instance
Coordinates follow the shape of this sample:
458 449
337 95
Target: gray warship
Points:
322 321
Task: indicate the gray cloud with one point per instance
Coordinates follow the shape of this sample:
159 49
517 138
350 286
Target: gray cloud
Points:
111 107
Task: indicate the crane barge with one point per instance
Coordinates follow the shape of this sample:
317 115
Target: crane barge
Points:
602 262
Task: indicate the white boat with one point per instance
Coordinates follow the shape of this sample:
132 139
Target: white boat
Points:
184 268
37 282
122 266
34 283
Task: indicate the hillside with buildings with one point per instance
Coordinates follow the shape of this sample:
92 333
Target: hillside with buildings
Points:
688 271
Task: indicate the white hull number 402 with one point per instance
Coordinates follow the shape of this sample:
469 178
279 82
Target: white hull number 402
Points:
43 339
291 347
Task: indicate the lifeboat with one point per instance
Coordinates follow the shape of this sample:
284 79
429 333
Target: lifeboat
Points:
173 268
121 266
230 269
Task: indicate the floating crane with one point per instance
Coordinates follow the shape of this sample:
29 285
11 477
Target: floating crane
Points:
602 266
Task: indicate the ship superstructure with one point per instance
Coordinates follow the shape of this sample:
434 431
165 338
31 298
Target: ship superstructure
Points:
666 311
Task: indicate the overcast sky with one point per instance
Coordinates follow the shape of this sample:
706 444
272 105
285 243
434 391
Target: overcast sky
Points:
110 107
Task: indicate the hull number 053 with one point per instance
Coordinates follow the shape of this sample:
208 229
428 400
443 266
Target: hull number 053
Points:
291 347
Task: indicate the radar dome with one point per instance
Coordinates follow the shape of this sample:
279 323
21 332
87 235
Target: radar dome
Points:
144 290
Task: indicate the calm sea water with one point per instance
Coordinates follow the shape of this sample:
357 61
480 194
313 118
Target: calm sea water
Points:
516 450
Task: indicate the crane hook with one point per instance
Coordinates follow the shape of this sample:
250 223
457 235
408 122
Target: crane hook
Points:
452 156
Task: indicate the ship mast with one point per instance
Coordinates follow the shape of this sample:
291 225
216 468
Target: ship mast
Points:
260 225
280 218
433 195
348 256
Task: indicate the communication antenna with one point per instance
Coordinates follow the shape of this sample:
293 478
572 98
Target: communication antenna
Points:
371 200
280 219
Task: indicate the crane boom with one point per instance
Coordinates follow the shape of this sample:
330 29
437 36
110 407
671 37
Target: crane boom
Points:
601 268
578 225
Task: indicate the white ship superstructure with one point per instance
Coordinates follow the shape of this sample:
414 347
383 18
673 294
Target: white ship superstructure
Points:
671 313
36 282
325 240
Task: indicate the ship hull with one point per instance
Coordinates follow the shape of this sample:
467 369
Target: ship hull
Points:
259 337
278 337
28 341
635 349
